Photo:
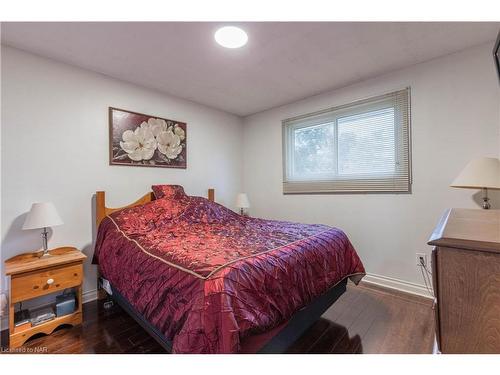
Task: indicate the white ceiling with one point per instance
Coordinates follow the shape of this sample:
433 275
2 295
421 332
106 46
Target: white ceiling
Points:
282 62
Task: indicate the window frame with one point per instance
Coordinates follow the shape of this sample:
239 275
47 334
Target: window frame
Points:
398 182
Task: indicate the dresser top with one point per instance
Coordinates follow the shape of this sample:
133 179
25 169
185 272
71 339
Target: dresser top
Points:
473 229
31 261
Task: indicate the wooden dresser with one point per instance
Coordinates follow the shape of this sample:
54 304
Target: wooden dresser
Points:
466 278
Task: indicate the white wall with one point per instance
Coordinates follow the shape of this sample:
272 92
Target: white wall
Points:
55 148
455 117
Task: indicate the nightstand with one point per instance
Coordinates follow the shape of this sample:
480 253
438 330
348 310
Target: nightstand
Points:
32 277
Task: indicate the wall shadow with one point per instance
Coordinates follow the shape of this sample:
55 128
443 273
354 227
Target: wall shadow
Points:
17 240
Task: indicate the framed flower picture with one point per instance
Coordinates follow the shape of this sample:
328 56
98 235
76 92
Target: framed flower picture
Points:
142 140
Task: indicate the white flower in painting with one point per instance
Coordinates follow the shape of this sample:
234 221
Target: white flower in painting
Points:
139 144
169 144
156 125
179 131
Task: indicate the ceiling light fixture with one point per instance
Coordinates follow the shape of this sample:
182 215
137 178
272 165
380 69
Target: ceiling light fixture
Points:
231 37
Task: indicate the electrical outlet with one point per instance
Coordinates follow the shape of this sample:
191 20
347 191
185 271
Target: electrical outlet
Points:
421 258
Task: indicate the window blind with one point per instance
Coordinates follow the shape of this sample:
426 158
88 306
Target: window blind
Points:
361 147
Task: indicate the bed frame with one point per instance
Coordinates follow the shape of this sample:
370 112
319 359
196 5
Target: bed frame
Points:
279 343
294 328
102 211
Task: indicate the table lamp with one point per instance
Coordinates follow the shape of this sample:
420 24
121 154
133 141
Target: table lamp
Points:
242 202
481 173
42 215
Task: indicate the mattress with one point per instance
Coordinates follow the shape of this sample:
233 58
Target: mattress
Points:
208 278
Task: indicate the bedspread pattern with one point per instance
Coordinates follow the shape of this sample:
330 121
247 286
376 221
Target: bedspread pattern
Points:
208 277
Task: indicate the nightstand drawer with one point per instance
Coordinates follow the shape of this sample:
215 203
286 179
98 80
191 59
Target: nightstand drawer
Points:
38 283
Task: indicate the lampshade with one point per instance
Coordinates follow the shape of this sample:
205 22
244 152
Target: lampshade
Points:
479 173
42 215
242 201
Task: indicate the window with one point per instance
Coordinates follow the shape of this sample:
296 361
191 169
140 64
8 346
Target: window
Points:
360 147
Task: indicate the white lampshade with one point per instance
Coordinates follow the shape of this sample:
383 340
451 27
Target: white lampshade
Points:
479 173
242 201
42 215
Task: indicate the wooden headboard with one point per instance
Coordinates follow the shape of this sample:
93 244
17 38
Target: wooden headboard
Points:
102 211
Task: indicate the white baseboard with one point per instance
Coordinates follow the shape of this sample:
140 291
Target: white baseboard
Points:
87 296
397 284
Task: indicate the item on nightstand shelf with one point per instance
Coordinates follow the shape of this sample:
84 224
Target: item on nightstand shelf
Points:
42 215
242 203
22 317
481 173
42 315
65 304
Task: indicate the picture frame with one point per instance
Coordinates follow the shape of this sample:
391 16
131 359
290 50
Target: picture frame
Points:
141 140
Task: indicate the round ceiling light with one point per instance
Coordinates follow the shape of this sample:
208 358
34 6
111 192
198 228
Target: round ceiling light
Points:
231 37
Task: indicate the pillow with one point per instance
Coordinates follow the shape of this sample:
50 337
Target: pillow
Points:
168 191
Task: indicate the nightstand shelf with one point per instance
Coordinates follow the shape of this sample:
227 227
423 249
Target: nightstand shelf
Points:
33 277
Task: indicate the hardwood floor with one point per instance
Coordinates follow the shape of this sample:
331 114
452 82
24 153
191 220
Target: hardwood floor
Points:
366 319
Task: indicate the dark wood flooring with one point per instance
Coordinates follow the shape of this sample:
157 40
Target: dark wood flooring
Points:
366 319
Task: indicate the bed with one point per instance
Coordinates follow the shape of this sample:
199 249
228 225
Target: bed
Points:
202 279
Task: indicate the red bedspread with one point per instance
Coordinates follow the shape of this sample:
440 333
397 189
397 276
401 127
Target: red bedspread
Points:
207 277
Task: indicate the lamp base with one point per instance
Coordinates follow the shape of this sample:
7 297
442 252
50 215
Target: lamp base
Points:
486 200
486 203
45 243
